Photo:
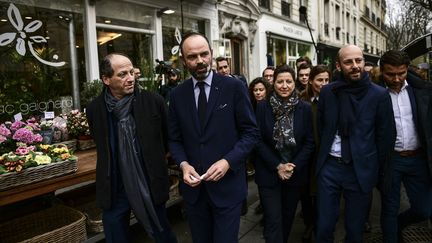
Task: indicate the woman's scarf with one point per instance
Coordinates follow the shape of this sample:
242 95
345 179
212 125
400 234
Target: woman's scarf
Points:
130 164
283 110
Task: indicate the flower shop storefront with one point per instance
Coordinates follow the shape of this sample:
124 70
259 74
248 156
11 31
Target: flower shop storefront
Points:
49 52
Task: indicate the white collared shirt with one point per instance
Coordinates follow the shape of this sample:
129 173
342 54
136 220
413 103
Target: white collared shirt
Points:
208 82
406 138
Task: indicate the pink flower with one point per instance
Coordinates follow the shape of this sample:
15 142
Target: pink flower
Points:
23 135
37 138
2 139
4 131
22 151
17 125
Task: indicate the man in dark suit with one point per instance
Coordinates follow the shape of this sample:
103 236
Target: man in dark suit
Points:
411 161
212 129
130 130
354 116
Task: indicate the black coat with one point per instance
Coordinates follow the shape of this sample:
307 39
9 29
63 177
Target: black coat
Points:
150 115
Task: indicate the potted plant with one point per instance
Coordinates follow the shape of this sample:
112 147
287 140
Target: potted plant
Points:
90 90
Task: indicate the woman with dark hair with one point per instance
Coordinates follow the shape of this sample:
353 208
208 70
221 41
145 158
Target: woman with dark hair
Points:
319 76
259 89
281 163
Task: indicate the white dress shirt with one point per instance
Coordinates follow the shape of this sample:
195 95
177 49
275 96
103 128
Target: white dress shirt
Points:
407 138
207 85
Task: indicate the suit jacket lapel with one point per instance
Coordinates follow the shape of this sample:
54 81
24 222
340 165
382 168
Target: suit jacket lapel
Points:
213 98
191 103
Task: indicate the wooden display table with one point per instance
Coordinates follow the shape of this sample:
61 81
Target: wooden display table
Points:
86 172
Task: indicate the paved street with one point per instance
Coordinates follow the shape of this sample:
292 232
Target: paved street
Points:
251 231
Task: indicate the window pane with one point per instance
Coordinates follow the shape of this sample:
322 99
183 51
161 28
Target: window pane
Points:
280 51
35 66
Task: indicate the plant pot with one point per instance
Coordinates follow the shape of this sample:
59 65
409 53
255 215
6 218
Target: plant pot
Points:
47 136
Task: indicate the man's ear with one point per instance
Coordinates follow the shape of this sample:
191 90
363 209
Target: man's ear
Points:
105 80
338 66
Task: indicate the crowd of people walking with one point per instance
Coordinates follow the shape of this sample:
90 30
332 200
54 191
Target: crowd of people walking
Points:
313 135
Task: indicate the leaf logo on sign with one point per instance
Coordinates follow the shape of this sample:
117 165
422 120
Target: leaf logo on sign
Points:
178 37
23 34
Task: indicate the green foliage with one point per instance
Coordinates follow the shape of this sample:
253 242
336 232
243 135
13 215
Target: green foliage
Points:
90 90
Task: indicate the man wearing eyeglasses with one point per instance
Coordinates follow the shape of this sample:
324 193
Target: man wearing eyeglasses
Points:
354 116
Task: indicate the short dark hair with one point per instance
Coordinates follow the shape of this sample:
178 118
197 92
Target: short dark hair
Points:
304 66
268 68
105 68
220 59
369 64
283 69
304 59
395 58
190 34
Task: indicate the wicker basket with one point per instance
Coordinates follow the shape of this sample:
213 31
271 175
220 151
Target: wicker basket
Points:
174 187
93 216
70 144
35 174
56 224
86 144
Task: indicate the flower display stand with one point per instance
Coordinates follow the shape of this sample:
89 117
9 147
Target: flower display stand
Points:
56 224
85 142
38 173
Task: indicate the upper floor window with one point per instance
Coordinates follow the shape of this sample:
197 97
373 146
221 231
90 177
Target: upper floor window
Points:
264 4
286 8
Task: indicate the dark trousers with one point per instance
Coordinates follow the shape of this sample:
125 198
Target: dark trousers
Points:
279 206
308 207
333 180
211 224
414 173
116 222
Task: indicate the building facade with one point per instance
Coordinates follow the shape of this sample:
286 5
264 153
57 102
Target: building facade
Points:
358 22
282 34
50 48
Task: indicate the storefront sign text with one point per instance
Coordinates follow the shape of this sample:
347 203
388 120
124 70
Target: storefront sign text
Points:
26 108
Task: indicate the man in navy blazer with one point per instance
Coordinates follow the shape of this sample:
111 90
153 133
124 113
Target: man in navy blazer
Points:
412 110
211 146
354 116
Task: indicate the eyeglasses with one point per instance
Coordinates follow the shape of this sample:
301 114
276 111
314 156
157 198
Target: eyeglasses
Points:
350 62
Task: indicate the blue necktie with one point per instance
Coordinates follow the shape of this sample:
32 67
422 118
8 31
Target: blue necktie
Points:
202 103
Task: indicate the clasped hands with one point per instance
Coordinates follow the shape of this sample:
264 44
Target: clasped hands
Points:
214 173
285 170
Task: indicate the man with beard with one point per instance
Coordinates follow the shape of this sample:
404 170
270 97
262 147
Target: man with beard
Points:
130 130
355 119
411 160
212 129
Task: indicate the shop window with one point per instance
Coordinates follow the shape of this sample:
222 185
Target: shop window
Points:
280 52
136 46
35 57
169 25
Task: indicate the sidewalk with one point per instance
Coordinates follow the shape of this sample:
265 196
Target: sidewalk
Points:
251 230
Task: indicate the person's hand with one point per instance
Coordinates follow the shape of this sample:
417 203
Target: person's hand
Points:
190 176
285 171
217 170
